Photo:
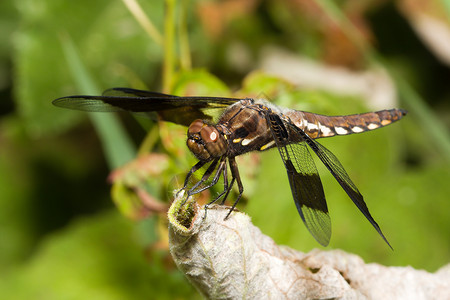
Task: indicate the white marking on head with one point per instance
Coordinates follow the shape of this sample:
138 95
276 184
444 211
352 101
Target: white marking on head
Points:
340 130
357 129
373 126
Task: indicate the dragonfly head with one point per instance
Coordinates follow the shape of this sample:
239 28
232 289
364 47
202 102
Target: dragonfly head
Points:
205 141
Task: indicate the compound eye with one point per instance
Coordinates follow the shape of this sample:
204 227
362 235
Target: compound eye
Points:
195 126
209 134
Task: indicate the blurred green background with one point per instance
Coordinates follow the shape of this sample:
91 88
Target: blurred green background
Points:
61 236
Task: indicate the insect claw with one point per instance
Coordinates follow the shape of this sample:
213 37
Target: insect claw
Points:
179 191
206 210
228 214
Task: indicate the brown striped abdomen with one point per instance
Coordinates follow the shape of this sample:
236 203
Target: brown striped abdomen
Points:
318 126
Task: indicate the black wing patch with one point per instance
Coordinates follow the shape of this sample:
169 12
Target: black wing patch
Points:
128 92
179 110
339 173
305 182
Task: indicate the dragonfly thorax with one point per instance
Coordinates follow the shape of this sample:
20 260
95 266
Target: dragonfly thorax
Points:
205 141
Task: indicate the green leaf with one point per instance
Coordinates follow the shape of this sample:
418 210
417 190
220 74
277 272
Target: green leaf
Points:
108 40
199 82
96 258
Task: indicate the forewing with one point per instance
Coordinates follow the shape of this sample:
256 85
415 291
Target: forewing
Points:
128 92
338 171
305 182
179 110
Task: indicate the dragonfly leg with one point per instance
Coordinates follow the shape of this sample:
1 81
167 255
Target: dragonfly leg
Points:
193 190
225 187
191 171
222 164
228 191
235 175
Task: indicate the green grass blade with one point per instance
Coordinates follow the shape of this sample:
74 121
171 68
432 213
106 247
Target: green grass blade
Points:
117 145
416 105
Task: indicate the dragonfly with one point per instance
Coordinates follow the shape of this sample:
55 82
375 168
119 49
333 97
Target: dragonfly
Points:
244 125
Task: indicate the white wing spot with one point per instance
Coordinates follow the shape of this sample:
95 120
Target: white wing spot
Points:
340 130
237 140
385 122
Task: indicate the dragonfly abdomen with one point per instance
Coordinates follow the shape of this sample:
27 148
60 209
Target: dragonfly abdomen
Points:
319 126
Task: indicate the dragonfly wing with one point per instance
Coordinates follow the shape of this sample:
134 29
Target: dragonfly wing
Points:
306 186
179 110
339 173
129 92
